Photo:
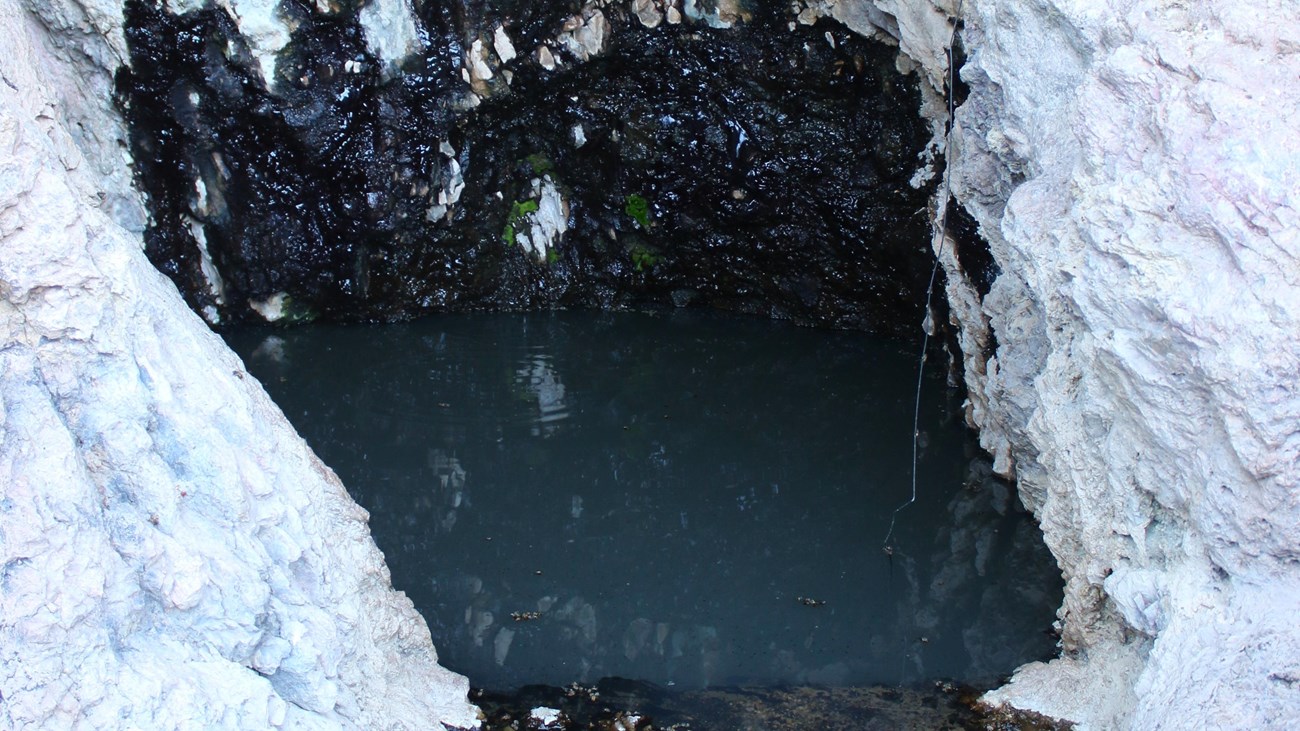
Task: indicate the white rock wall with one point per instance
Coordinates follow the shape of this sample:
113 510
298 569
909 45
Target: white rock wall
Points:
1135 168
80 36
172 555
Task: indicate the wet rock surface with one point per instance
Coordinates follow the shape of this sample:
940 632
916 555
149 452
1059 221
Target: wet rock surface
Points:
616 704
530 156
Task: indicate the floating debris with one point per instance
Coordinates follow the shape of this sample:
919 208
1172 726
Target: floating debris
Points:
810 602
525 616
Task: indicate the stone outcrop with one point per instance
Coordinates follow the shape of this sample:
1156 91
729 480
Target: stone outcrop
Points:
1133 170
172 555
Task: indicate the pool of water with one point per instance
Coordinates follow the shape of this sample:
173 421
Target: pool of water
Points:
684 498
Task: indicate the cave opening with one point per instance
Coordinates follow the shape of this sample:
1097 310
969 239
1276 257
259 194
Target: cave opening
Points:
558 156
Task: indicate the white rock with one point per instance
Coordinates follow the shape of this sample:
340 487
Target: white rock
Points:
545 717
211 275
165 532
272 309
548 223
391 30
455 184
501 42
647 12
1133 167
545 58
921 29
584 34
180 7
87 127
263 28
476 62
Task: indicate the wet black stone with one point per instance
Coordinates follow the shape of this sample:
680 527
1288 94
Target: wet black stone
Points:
773 167
615 704
972 250
959 90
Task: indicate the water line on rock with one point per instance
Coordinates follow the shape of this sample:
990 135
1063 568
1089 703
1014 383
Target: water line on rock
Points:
928 323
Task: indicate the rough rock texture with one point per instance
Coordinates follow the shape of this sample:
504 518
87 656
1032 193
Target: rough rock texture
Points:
1134 169
391 30
756 167
921 30
80 36
171 553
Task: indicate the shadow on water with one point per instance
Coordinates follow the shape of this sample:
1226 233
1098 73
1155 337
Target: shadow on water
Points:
684 499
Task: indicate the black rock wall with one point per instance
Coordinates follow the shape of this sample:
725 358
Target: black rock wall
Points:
757 169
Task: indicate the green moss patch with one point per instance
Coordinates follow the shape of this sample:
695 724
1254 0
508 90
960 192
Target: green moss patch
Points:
638 209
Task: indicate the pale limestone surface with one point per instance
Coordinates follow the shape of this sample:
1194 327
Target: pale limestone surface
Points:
85 35
1136 172
172 555
921 29
391 30
584 35
1135 169
262 25
540 231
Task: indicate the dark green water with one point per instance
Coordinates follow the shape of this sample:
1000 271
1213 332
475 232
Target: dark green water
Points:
662 490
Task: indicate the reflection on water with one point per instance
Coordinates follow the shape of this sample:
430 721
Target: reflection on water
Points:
539 378
683 499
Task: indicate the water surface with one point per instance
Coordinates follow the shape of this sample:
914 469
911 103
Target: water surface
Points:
685 499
